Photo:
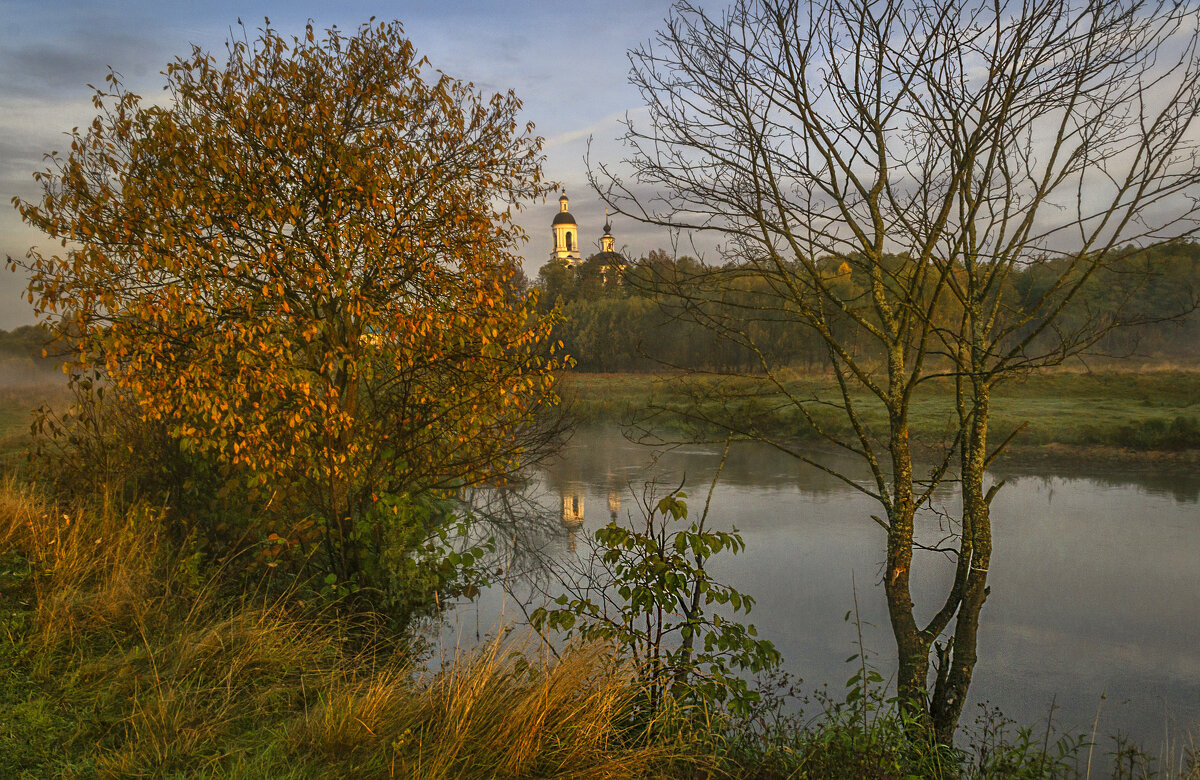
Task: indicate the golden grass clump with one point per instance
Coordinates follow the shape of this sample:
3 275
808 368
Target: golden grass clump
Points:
192 696
502 710
98 570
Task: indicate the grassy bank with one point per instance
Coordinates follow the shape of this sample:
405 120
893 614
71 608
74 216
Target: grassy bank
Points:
1111 414
1067 415
122 660
122 657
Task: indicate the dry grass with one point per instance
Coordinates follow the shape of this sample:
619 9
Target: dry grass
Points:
497 712
94 571
171 680
17 511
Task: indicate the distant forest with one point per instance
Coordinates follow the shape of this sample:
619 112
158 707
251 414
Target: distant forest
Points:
26 344
646 317
640 319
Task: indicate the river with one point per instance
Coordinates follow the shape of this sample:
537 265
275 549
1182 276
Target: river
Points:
1095 577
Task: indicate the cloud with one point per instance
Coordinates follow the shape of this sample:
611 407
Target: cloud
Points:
35 69
65 55
613 123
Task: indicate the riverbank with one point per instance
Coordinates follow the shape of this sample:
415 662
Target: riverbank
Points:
1119 417
122 655
1115 417
126 653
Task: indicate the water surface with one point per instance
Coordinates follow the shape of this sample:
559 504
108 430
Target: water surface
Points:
1095 577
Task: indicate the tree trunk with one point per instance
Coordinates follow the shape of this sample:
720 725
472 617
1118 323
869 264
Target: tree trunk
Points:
912 649
958 661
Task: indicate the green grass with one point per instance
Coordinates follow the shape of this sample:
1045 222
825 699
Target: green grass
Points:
1143 411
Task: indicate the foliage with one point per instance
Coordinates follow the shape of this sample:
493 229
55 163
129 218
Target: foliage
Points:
864 733
416 551
641 325
301 269
655 598
1002 748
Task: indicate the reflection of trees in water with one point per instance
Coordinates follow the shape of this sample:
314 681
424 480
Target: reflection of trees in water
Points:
531 524
521 524
538 529
604 460
1181 486
597 458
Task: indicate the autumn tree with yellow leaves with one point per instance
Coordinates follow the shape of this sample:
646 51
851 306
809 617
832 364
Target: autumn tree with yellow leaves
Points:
301 264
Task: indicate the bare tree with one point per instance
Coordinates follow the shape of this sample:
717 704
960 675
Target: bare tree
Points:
879 172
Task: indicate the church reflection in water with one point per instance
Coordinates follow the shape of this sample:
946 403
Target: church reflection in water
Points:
572 514
573 507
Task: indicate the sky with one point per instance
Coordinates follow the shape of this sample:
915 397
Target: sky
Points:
566 61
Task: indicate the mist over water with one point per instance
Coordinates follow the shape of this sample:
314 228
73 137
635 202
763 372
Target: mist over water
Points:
1095 581
25 373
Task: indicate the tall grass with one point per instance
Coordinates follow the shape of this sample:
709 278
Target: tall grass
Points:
121 657
165 677
496 712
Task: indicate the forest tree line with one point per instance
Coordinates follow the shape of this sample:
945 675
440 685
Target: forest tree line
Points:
636 319
631 320
26 343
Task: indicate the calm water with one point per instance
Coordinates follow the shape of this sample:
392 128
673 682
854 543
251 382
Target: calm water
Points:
1095 581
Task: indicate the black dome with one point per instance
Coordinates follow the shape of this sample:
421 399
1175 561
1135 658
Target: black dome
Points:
563 218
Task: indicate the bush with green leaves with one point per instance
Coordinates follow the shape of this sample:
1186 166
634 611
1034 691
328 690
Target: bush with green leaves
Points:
419 549
649 590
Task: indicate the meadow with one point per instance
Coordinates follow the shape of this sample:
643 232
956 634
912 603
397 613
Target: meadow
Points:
1151 415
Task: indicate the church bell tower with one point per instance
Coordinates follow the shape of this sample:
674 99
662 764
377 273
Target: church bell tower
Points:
608 244
566 235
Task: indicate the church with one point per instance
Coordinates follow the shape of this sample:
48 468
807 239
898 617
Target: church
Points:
566 241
